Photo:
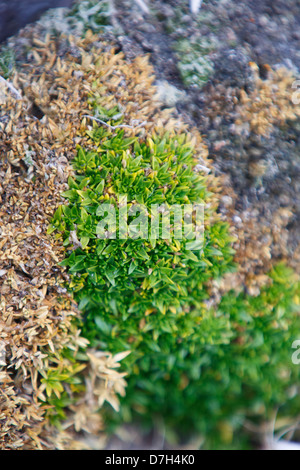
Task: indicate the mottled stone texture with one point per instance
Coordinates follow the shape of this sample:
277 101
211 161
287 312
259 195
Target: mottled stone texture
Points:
15 14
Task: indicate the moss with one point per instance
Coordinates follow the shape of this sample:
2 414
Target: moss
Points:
90 14
201 370
194 63
204 370
218 374
157 171
7 61
31 280
85 15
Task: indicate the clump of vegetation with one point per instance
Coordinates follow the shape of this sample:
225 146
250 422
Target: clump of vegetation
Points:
193 50
202 370
7 61
194 63
135 296
223 372
93 15
42 350
137 275
90 14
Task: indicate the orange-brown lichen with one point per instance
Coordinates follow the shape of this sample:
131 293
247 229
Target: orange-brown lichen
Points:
270 103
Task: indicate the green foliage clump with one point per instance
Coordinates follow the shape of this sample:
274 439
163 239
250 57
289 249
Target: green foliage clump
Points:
61 383
116 280
7 62
193 50
222 369
201 370
194 63
90 14
232 366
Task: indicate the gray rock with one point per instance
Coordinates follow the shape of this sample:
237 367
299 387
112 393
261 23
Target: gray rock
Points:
15 14
232 68
168 94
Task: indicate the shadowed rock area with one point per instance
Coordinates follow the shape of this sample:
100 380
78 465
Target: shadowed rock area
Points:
15 14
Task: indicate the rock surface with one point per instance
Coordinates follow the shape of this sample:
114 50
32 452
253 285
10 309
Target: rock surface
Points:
15 14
